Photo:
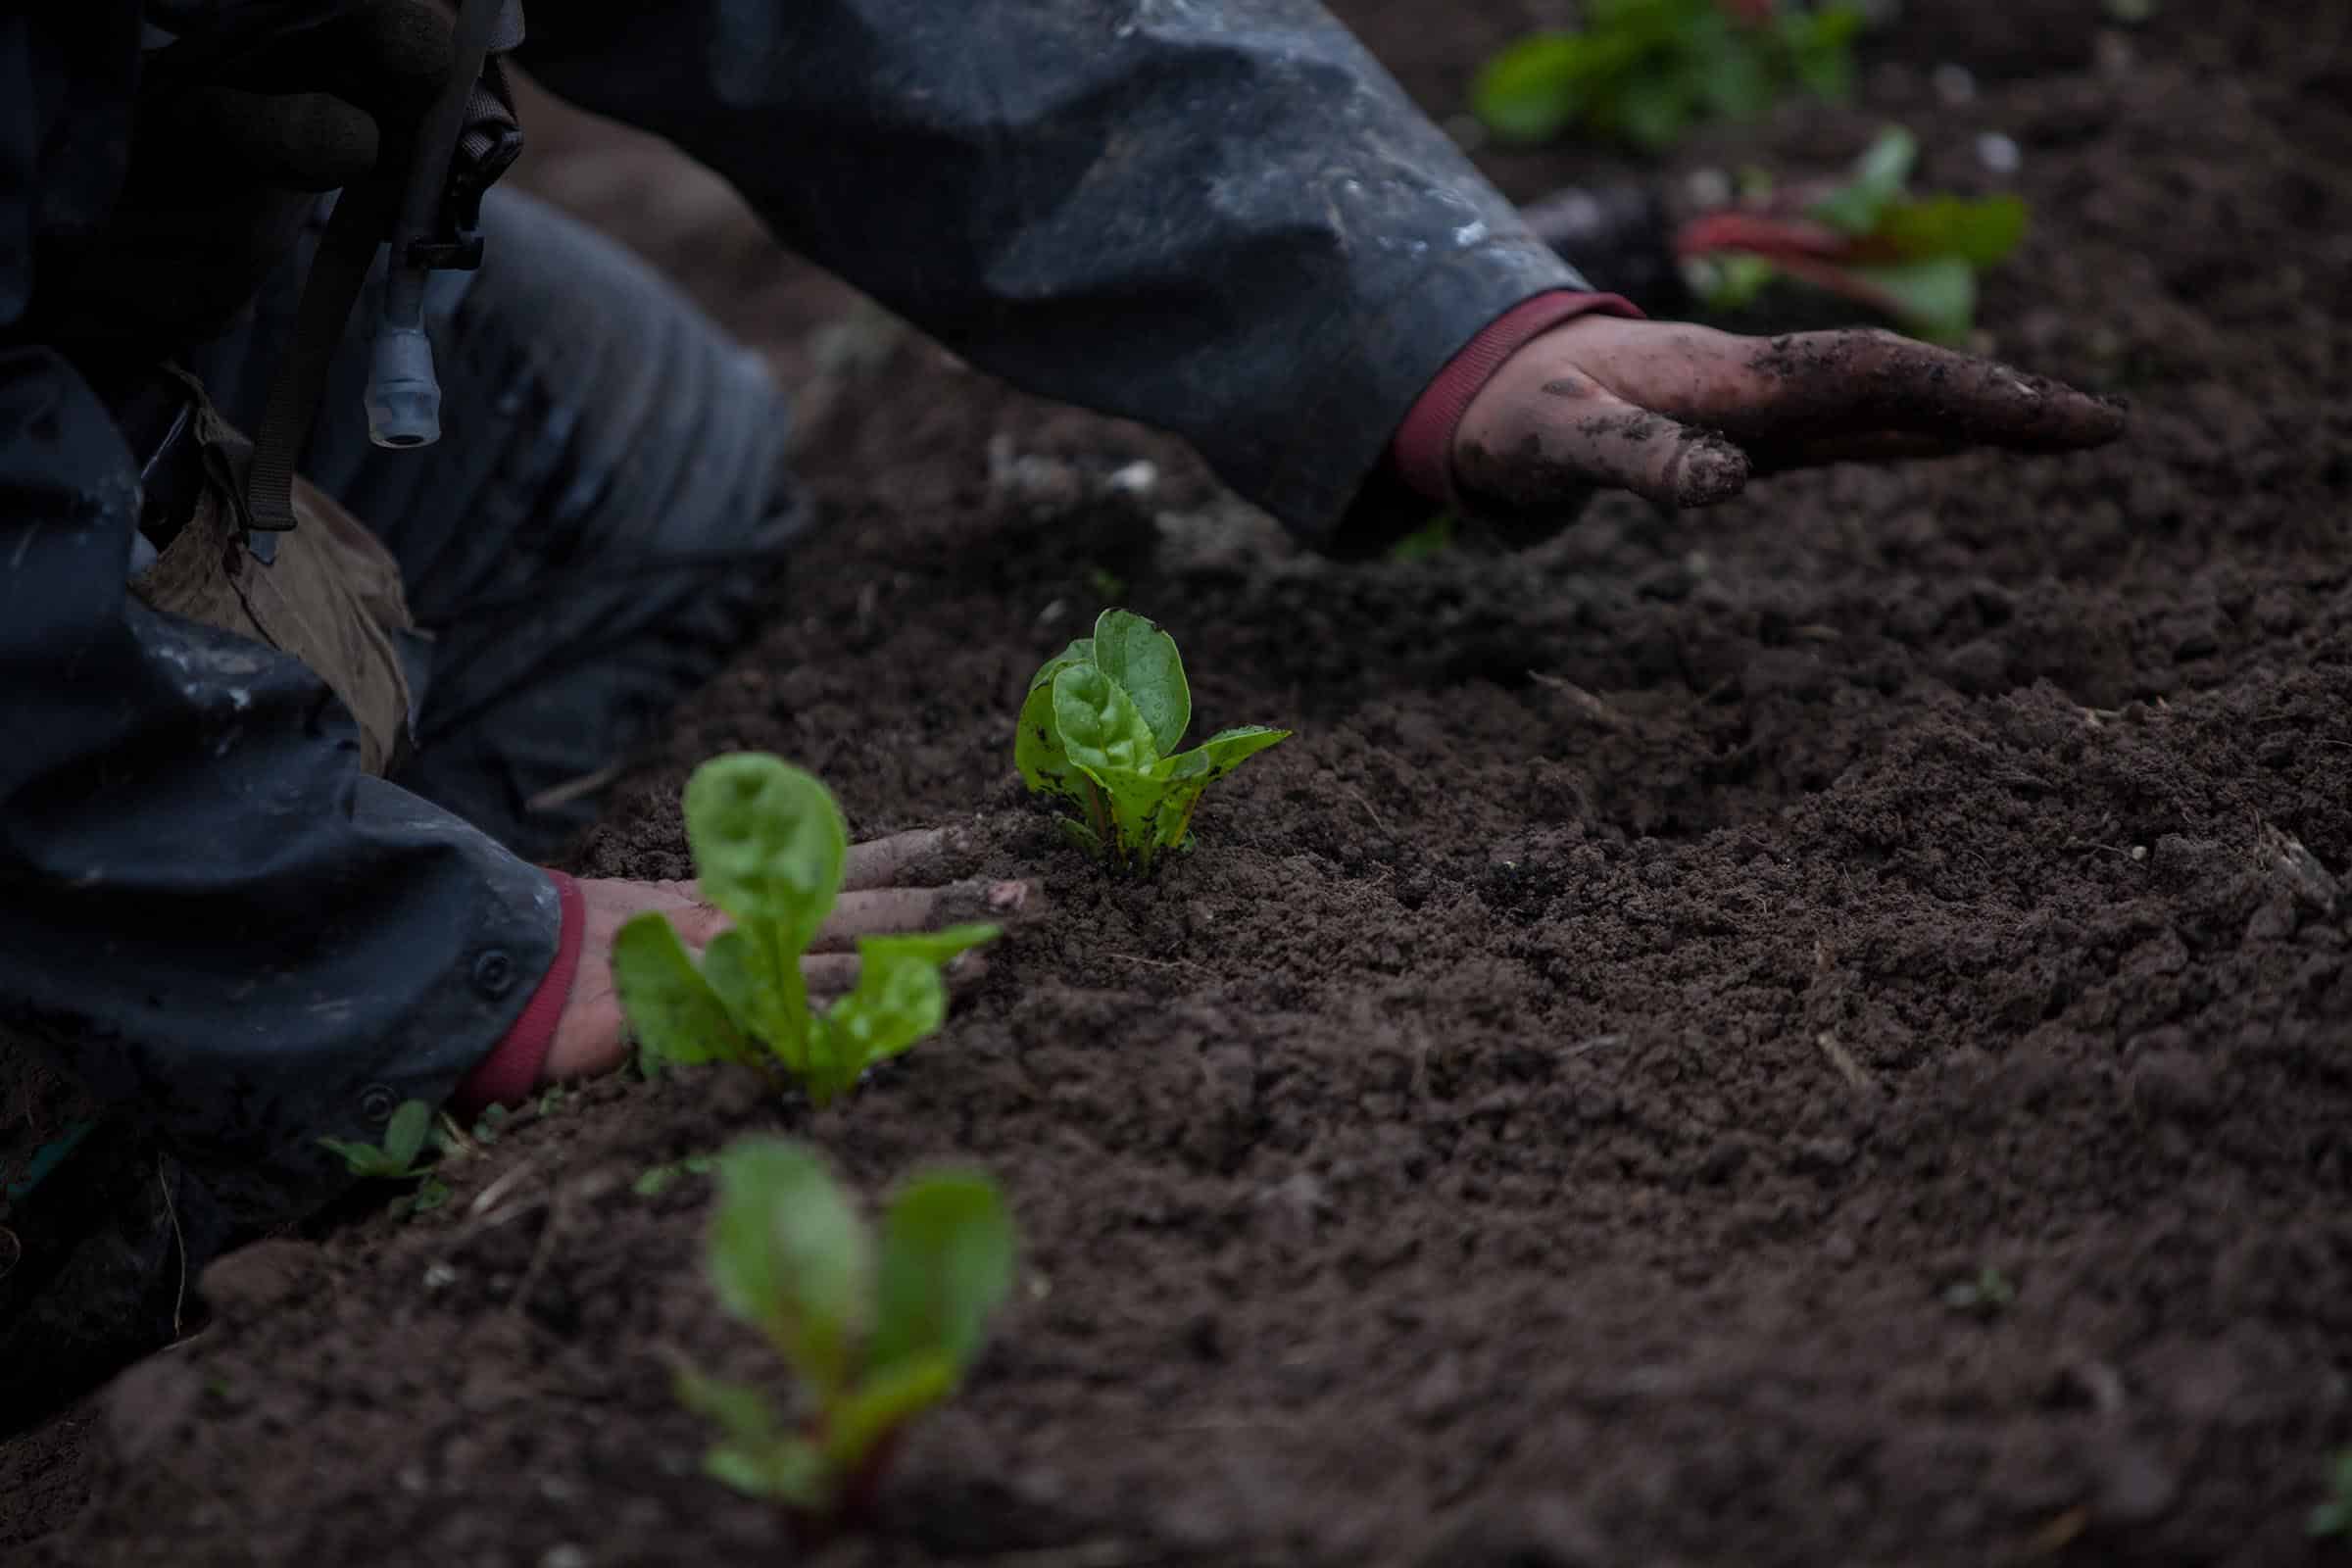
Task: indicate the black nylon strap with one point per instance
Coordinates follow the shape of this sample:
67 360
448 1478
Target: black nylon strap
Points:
345 253
363 218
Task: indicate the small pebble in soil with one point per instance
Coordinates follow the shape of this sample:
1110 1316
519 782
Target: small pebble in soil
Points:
1954 85
1998 152
1137 478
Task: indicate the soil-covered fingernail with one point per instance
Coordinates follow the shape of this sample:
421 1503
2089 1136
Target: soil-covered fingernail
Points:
986 900
1706 469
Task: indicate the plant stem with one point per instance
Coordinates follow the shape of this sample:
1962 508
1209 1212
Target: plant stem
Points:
1097 814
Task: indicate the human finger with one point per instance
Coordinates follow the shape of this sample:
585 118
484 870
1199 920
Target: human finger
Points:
883 912
1858 380
1780 391
1877 446
883 862
835 974
1574 433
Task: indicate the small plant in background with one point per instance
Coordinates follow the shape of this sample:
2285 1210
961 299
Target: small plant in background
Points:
1986 1295
769 845
655 1180
1427 542
1646 71
2333 1515
1866 239
1099 728
397 1158
875 1334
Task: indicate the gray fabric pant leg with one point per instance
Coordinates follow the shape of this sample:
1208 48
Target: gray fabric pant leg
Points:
590 539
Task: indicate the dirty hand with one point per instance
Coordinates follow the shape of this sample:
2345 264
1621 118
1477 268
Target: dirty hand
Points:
1684 416
589 1035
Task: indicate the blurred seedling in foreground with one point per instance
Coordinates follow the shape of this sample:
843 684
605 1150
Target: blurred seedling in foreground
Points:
876 1329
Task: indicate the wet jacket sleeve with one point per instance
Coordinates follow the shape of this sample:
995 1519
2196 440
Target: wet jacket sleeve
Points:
205 907
1219 216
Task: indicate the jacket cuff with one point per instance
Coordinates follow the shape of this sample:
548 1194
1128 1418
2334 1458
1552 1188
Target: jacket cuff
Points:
508 1074
1422 450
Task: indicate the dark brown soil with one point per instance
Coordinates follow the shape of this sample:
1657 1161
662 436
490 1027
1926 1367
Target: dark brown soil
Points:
1546 1122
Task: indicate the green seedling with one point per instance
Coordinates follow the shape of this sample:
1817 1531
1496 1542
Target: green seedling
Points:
1099 729
2333 1515
769 845
1914 259
1432 539
405 1137
1986 1296
876 1331
396 1159
656 1180
1106 583
1647 70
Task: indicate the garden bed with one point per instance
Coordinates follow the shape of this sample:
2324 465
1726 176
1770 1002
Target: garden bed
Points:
1813 1030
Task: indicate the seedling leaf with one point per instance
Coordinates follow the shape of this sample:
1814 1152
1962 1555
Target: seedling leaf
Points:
1080 652
947 1266
1102 728
1037 749
1982 234
676 1011
1229 748
765 999
1099 746
887 1399
1644 70
1533 90
1142 660
362 1160
768 842
1878 180
404 1134
771 846
758 1458
789 1255
2333 1517
1913 258
1938 298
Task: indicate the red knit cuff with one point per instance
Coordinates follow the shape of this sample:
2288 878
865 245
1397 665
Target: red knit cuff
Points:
507 1075
1423 447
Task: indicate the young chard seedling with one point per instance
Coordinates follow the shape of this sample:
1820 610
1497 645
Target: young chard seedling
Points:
2333 1516
1867 239
1099 729
875 1336
405 1136
1647 70
769 845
